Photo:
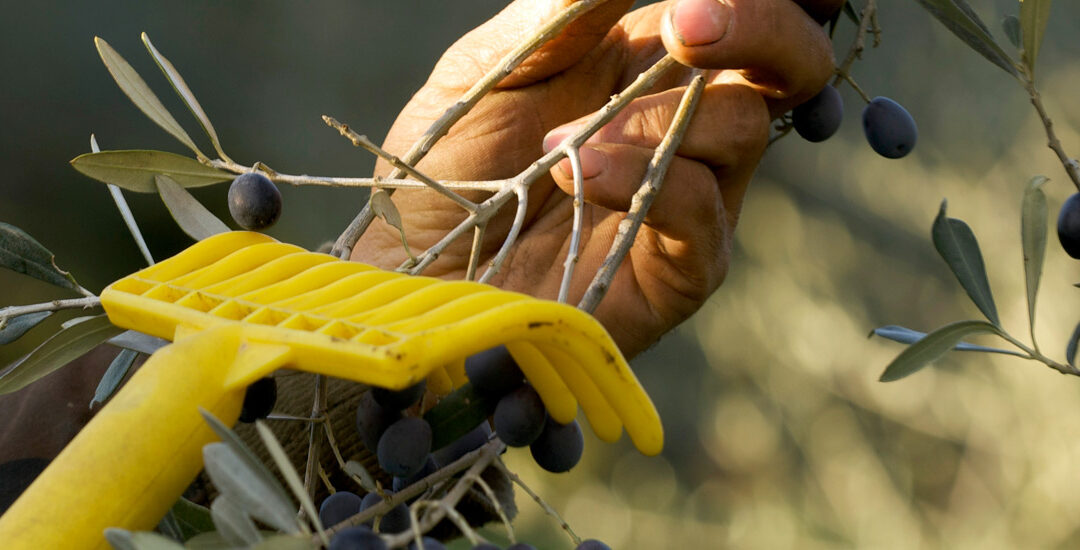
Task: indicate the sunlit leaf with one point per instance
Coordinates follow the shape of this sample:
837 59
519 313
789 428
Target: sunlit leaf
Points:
292 479
1033 226
933 346
1011 25
185 94
234 525
17 326
142 343
135 170
354 468
457 414
1033 17
958 247
59 350
192 217
250 487
1070 349
909 336
192 518
121 539
116 372
383 206
136 89
959 18
19 252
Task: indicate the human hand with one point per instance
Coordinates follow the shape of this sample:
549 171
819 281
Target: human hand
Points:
765 56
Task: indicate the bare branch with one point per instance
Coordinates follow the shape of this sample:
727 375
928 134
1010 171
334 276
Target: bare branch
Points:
55 305
575 232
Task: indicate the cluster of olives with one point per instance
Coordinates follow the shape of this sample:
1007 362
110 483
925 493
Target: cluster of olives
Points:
888 127
254 201
363 538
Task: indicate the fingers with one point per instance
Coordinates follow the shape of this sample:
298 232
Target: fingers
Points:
775 44
479 51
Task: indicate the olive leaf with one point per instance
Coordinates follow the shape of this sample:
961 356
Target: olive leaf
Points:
383 206
191 518
136 89
962 21
286 542
192 217
457 414
1011 25
122 539
1034 15
1033 227
116 372
16 327
143 343
125 211
933 346
253 489
908 336
21 253
957 245
60 349
233 523
182 90
1070 348
292 479
134 170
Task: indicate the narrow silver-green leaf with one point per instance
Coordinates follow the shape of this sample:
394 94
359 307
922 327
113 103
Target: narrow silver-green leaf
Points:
235 526
908 336
1011 25
956 243
17 326
230 438
185 94
142 343
1033 226
136 89
961 20
116 372
125 211
121 539
383 206
192 217
135 170
1070 349
191 518
285 542
21 253
356 469
249 487
290 475
1033 17
933 346
59 350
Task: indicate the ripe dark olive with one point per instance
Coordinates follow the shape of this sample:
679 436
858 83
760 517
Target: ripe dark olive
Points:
372 419
820 117
357 538
338 507
1068 226
404 446
428 543
463 445
519 417
494 372
889 128
254 201
400 399
592 544
259 400
559 446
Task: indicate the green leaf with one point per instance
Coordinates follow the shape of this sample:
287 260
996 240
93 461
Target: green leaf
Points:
849 11
208 541
59 350
142 343
17 326
285 542
250 487
234 525
185 94
457 414
962 21
192 518
136 89
1033 17
20 253
168 527
1070 349
1011 25
1033 226
292 479
135 170
192 217
116 372
957 245
121 539
908 336
933 346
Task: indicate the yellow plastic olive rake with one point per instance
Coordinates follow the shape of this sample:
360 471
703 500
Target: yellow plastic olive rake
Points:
240 305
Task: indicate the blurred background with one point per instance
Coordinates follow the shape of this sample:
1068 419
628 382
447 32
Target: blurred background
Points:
778 433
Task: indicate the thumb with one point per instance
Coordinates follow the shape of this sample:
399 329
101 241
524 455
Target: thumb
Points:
480 50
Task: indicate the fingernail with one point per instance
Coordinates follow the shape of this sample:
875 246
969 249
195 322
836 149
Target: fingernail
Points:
593 162
700 22
557 136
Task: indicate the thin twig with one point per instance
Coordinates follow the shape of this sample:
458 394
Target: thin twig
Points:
495 264
357 183
11 312
575 231
362 141
498 507
448 511
643 198
1072 168
867 21
539 501
314 441
345 243
474 253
